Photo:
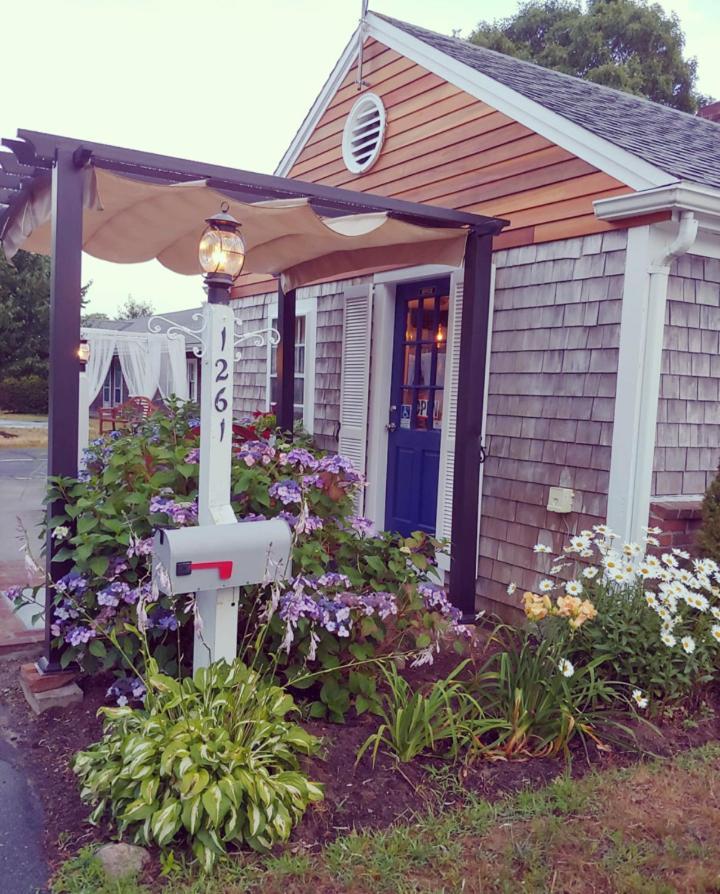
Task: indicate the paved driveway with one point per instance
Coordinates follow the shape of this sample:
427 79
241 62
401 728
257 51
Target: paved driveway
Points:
22 489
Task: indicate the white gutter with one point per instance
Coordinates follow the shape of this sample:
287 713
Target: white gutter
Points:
679 196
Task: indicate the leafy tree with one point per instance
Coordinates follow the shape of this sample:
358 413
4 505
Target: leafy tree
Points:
94 317
24 315
627 44
708 538
134 308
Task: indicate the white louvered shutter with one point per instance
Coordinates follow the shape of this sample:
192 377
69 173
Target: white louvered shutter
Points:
443 523
355 377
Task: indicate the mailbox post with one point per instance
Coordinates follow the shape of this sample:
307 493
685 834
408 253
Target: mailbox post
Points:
221 554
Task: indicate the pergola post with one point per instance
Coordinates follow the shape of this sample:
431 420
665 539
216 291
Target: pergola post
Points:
285 360
65 309
470 400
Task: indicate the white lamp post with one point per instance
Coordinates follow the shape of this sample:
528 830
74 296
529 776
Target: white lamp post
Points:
221 254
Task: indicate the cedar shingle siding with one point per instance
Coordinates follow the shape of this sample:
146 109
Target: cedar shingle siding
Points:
688 429
551 399
251 372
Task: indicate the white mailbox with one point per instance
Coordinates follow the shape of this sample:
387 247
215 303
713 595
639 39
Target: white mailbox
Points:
214 557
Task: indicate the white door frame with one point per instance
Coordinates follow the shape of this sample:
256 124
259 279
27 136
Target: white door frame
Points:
381 357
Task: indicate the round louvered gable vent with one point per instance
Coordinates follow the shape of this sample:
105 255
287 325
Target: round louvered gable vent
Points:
363 133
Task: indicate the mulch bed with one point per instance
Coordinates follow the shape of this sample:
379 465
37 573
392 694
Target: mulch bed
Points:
356 796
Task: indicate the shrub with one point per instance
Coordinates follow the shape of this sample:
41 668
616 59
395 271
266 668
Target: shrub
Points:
356 597
708 537
24 395
210 761
658 618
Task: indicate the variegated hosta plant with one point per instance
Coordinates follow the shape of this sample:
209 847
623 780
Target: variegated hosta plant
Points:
209 761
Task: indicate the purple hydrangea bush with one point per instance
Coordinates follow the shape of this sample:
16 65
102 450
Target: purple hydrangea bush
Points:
358 595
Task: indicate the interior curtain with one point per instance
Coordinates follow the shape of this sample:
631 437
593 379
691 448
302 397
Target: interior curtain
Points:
102 348
140 360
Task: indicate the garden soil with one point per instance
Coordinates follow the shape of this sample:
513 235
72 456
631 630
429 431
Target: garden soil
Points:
357 796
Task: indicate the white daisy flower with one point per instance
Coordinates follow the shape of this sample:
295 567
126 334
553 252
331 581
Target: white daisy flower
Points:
651 600
680 553
541 548
640 700
511 589
546 585
715 632
573 588
579 542
590 572
632 549
652 541
670 560
715 612
668 639
586 553
566 667
688 643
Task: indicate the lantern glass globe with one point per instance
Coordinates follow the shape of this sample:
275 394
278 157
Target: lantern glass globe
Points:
222 251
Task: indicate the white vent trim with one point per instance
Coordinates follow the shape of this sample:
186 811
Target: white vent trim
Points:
364 133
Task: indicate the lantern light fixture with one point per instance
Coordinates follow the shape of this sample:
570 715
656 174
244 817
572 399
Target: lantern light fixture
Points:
83 351
221 251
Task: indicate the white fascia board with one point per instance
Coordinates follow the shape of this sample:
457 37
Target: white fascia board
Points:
681 196
623 165
337 76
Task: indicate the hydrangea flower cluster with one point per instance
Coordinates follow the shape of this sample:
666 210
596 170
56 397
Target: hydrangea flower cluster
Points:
287 491
254 453
179 512
127 690
313 599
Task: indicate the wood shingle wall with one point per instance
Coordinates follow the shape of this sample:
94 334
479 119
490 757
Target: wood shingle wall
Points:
551 400
688 430
250 381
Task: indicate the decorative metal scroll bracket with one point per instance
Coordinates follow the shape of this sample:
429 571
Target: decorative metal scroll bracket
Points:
175 330
258 338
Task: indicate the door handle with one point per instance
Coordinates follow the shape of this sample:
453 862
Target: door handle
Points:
391 426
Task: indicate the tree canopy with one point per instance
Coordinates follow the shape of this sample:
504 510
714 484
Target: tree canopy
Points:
627 44
24 315
134 308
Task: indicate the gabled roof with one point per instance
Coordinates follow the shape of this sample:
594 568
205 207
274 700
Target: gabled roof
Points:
640 143
685 146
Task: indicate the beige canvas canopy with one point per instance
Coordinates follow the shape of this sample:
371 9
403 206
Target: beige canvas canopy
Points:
129 221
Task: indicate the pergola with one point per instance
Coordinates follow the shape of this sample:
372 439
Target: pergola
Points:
36 162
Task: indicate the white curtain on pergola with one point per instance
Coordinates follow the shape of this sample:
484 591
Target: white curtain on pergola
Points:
150 362
129 221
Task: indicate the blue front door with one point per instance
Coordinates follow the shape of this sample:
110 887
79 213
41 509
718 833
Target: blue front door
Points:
416 406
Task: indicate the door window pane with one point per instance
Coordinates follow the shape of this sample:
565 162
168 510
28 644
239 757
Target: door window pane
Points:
299 383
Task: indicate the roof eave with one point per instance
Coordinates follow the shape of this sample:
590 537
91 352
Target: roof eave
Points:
683 195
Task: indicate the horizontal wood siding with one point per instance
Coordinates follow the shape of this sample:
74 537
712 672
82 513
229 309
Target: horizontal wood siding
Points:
445 147
687 448
550 402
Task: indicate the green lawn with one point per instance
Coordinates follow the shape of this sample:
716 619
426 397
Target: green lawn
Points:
649 829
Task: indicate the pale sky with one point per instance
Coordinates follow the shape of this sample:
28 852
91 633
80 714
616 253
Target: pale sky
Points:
227 81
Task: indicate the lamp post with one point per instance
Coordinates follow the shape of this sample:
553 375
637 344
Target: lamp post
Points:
221 254
83 353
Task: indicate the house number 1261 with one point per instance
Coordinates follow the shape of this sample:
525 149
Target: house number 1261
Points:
222 374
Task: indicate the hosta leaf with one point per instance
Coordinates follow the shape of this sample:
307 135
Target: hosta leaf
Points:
256 819
138 810
193 782
192 814
212 799
166 822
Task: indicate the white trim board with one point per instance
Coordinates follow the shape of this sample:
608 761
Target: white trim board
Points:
601 153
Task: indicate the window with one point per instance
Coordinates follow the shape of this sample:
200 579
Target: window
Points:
304 391
192 376
117 383
363 134
106 391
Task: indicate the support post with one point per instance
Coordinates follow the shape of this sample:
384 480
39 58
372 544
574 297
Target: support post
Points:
470 400
285 360
83 415
217 622
65 308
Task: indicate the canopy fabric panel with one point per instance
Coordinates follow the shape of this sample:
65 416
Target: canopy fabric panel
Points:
150 362
130 221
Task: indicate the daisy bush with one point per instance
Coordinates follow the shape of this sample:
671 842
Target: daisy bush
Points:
655 615
357 594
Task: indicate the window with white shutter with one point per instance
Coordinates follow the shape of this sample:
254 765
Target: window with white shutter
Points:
355 377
